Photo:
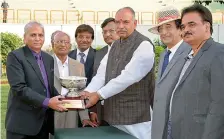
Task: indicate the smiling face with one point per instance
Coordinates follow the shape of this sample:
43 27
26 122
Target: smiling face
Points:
109 33
194 28
170 33
61 45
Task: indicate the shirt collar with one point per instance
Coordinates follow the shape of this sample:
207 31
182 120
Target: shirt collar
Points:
175 47
35 54
85 52
59 61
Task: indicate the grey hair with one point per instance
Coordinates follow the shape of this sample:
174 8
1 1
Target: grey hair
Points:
54 34
128 8
30 24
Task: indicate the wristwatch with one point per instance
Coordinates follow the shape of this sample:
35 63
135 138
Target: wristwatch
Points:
101 98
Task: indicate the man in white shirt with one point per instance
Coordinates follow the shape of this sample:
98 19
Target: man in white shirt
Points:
65 66
170 65
109 35
125 79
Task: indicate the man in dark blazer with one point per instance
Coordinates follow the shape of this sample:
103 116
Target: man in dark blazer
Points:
84 36
32 97
109 35
197 101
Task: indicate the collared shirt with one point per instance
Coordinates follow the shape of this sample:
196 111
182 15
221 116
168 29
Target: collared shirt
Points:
44 76
174 49
140 64
78 57
63 69
189 59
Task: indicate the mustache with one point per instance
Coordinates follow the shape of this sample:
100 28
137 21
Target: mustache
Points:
187 33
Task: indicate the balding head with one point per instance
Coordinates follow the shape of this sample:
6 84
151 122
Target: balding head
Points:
127 9
125 22
31 24
61 44
34 36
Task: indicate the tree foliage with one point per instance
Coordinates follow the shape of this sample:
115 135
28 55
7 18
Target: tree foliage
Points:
9 42
207 2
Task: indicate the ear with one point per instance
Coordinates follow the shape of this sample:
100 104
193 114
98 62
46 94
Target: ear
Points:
70 46
24 38
207 26
135 22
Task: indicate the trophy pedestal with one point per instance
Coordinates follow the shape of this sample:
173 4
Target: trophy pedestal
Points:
74 103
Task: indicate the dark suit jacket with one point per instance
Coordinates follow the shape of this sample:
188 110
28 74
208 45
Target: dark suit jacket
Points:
88 64
98 57
25 112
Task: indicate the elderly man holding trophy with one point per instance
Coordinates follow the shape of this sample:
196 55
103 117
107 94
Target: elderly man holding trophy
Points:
69 79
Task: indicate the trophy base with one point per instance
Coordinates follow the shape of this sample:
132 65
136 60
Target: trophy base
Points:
74 103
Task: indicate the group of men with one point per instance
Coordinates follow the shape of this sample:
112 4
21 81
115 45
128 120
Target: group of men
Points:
186 96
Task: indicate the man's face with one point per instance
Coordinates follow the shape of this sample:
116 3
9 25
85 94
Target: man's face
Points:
169 33
125 23
61 45
109 33
34 37
84 40
193 27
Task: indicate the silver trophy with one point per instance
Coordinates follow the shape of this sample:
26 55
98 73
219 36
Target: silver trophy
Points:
74 84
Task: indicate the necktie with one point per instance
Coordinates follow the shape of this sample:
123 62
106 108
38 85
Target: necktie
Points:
82 58
43 72
166 61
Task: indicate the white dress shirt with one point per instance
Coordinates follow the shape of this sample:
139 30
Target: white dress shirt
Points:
63 72
139 66
78 57
189 59
174 49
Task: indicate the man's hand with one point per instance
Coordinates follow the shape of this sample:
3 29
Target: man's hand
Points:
92 99
84 94
56 104
88 122
94 118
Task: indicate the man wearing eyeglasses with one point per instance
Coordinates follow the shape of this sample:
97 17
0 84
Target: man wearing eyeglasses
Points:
109 35
65 66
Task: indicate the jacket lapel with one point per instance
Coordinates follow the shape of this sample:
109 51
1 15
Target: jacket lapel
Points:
160 66
174 60
207 44
48 63
56 70
89 60
31 59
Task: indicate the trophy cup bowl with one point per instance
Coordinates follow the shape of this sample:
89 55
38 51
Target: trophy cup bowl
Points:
74 84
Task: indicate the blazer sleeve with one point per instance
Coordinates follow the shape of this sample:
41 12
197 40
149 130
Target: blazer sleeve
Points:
16 78
214 127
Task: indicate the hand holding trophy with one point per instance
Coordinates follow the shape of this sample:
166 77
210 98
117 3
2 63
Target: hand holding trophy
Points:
74 84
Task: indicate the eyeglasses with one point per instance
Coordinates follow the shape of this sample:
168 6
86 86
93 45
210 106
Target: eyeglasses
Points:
111 31
62 41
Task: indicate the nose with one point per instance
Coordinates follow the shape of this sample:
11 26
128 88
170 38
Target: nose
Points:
120 25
